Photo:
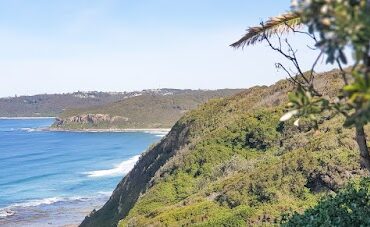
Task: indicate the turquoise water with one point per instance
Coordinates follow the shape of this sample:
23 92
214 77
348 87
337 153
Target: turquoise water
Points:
43 173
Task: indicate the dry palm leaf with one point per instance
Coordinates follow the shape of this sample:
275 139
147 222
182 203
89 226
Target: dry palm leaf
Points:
279 24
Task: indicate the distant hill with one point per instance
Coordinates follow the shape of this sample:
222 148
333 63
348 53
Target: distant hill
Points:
51 105
147 109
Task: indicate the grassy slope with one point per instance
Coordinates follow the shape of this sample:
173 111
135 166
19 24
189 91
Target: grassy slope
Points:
231 162
145 111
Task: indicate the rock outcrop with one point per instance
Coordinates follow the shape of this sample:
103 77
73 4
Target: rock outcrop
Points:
88 119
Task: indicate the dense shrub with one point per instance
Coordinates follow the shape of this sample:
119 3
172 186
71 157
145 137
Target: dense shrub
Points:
350 207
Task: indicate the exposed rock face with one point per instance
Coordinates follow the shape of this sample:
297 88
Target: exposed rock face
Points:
137 181
89 119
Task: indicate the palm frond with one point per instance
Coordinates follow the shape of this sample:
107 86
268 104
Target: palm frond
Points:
274 25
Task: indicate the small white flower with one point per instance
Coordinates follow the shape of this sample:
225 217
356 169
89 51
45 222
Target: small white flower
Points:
294 3
324 9
336 100
288 115
296 123
329 35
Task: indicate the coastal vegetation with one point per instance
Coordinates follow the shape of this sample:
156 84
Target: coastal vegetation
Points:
332 26
350 207
232 162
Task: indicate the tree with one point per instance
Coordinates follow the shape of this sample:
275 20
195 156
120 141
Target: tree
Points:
333 25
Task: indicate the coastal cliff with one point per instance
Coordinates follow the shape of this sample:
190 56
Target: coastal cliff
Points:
137 181
231 161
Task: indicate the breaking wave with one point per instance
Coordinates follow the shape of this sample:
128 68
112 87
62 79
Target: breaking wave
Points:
121 169
11 210
32 129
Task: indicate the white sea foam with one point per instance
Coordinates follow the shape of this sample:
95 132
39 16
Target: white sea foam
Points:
46 201
23 129
105 193
6 213
28 129
38 202
7 129
158 132
9 210
123 168
32 129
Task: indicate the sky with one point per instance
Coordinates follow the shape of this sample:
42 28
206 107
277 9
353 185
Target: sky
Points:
64 46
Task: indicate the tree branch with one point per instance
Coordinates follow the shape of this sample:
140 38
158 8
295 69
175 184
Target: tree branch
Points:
307 83
343 73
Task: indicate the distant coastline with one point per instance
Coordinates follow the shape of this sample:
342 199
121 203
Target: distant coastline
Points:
148 130
24 118
52 129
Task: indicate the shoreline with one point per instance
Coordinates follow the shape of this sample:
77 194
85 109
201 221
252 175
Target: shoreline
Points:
25 118
148 130
89 181
68 211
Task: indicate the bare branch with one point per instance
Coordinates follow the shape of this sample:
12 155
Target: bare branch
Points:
307 83
312 76
294 81
311 48
343 73
295 62
312 36
278 49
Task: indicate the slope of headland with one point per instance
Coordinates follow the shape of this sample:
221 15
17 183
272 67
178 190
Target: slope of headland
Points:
231 162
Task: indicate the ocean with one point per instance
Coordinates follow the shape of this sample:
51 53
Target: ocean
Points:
57 178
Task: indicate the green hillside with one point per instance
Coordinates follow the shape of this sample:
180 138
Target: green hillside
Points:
145 110
232 163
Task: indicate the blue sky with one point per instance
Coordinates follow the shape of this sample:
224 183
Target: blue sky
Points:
111 45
